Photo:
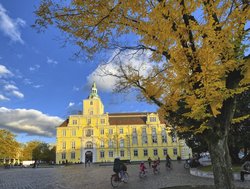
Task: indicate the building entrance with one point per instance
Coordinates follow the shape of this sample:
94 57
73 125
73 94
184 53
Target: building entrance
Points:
88 156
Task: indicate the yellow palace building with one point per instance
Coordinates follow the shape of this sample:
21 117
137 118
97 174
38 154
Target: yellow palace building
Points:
99 137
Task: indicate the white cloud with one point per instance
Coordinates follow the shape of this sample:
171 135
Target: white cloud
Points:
17 94
10 27
3 98
34 68
27 81
132 58
13 90
29 121
76 88
4 72
71 104
10 87
37 86
51 61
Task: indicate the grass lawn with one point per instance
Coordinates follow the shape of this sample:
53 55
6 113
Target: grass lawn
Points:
236 168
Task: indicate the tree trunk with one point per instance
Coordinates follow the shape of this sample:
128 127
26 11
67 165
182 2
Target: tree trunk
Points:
221 161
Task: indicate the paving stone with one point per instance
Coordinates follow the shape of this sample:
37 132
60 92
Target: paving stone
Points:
98 177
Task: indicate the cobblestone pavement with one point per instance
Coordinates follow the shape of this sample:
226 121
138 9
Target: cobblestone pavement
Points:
98 177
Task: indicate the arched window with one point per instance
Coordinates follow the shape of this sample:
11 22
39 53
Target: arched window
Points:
122 143
89 145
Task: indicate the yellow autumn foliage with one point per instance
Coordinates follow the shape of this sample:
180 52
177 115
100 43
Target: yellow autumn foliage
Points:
202 43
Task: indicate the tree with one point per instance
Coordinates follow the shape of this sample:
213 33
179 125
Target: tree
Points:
38 151
198 57
27 153
240 132
9 148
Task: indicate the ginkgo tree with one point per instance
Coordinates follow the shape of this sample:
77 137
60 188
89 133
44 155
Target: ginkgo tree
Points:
199 57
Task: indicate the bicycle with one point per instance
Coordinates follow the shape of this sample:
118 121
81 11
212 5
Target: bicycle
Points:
142 174
156 169
169 165
116 180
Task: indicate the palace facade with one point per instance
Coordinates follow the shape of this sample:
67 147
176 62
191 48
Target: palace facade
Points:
99 137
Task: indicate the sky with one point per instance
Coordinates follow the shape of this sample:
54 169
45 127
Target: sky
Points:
42 83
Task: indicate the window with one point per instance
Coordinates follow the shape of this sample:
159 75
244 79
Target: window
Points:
63 155
89 132
102 144
122 143
134 137
152 119
134 130
91 102
165 152
73 132
111 143
144 136
154 135
145 152
121 130
155 152
101 154
144 139
73 155
89 121
111 154
64 145
122 153
154 139
102 121
89 145
102 131
135 153
73 145
110 131
91 112
63 132
175 151
174 139
74 122
163 136
154 131
134 140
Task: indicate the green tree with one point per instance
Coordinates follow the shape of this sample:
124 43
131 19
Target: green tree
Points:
201 46
9 147
27 152
38 151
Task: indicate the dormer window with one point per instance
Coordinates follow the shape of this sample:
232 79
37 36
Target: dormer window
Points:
152 119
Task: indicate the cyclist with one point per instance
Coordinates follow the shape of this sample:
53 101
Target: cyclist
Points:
119 168
154 166
142 168
168 161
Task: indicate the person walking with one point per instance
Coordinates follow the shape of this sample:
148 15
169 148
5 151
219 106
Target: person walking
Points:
245 169
149 162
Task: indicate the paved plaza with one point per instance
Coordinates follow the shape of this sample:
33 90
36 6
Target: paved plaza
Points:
97 177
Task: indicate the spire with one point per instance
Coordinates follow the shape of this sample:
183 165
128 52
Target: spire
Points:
93 93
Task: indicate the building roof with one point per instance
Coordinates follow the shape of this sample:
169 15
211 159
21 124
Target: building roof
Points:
122 120
134 118
65 123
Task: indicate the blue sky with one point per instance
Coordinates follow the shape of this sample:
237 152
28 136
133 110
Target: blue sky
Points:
41 82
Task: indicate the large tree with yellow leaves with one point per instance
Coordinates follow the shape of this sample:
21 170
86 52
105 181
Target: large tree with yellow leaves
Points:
200 46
